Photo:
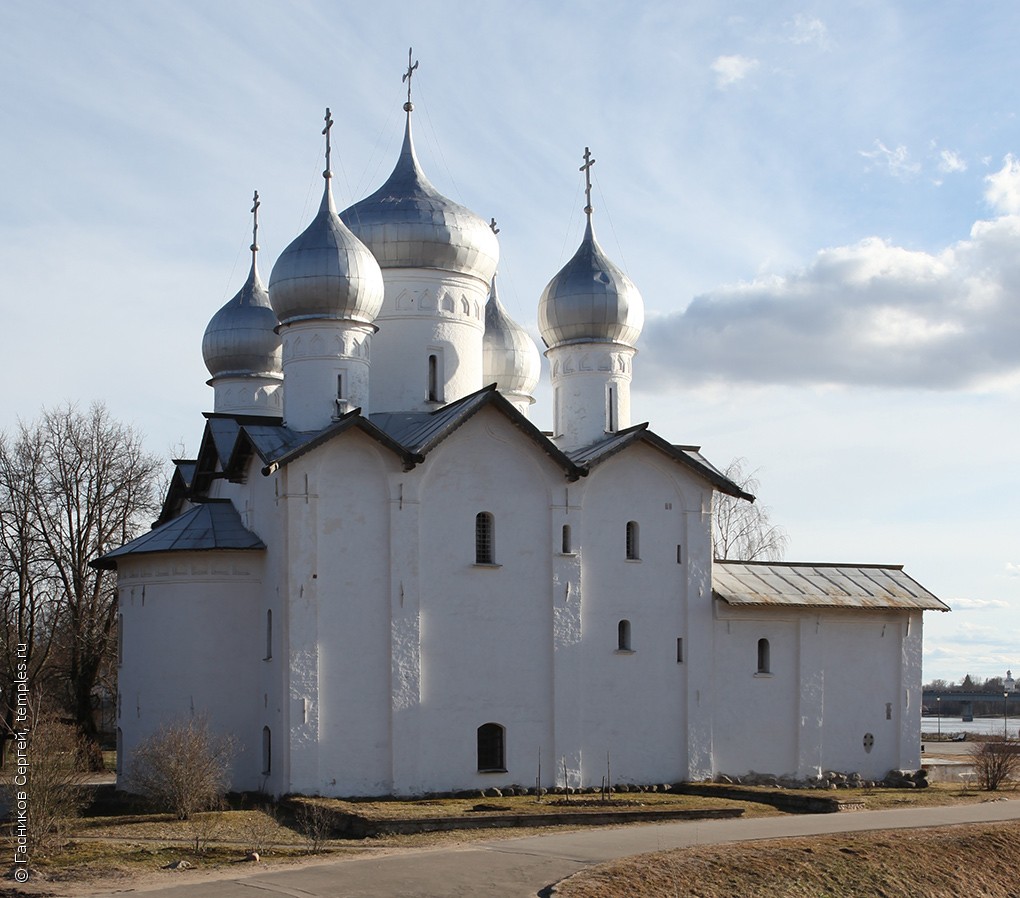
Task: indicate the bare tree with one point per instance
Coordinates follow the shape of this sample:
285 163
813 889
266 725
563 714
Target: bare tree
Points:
27 606
741 530
95 491
182 768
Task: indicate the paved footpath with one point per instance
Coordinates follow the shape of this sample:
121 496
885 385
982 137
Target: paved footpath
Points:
515 868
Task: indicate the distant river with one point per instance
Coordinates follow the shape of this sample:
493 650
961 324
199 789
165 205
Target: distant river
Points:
989 726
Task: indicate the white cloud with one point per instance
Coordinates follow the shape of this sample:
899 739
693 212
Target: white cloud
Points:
896 162
871 313
1002 190
1012 569
950 162
977 604
731 69
803 29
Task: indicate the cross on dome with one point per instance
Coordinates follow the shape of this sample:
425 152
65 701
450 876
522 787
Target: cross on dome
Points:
255 225
492 226
586 168
409 106
329 124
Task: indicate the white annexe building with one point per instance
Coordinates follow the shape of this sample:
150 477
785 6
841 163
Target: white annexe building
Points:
380 577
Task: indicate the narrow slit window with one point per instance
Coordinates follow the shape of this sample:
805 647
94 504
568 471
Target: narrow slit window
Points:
491 748
267 751
633 547
485 538
623 636
565 545
611 413
269 635
433 378
679 650
764 660
679 554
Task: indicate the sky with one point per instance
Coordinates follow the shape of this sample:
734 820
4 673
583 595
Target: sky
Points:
819 202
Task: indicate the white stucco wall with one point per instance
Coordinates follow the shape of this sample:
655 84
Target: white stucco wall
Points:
635 705
835 679
191 643
426 313
486 651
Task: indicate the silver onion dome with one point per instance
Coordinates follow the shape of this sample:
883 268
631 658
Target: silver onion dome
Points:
407 223
510 357
241 339
326 272
590 300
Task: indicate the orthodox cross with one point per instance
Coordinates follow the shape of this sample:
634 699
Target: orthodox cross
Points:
586 168
407 77
329 124
492 224
255 224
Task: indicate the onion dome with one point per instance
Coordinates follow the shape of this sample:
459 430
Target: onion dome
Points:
241 338
407 223
590 300
510 357
326 272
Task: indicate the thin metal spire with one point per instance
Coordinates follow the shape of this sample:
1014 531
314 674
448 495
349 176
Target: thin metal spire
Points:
329 124
409 106
586 168
255 226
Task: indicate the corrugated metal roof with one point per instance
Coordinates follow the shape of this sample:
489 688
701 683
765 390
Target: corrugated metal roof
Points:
215 524
820 585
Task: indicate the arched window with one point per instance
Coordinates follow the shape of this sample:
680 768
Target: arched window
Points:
623 636
565 545
433 378
763 656
633 547
269 635
267 751
485 538
491 748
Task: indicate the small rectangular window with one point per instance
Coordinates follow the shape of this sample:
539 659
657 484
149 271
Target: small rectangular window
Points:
679 554
565 546
679 650
485 538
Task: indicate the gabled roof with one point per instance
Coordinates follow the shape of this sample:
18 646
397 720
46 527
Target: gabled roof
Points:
809 585
353 420
689 457
421 432
214 524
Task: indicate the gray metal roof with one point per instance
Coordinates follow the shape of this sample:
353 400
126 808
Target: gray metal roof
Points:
808 585
214 524
688 456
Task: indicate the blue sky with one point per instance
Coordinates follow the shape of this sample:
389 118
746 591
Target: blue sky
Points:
820 203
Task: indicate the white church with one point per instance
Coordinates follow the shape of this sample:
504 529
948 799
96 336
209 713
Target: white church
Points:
380 577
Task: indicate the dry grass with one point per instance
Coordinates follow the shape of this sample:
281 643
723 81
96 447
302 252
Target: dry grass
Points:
934 863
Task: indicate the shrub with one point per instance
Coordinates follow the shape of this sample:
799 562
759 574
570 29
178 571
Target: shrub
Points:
182 768
56 781
994 763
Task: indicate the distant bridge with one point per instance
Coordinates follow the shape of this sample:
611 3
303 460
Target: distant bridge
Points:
930 701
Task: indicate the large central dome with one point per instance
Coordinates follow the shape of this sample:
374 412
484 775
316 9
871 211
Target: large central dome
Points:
407 223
